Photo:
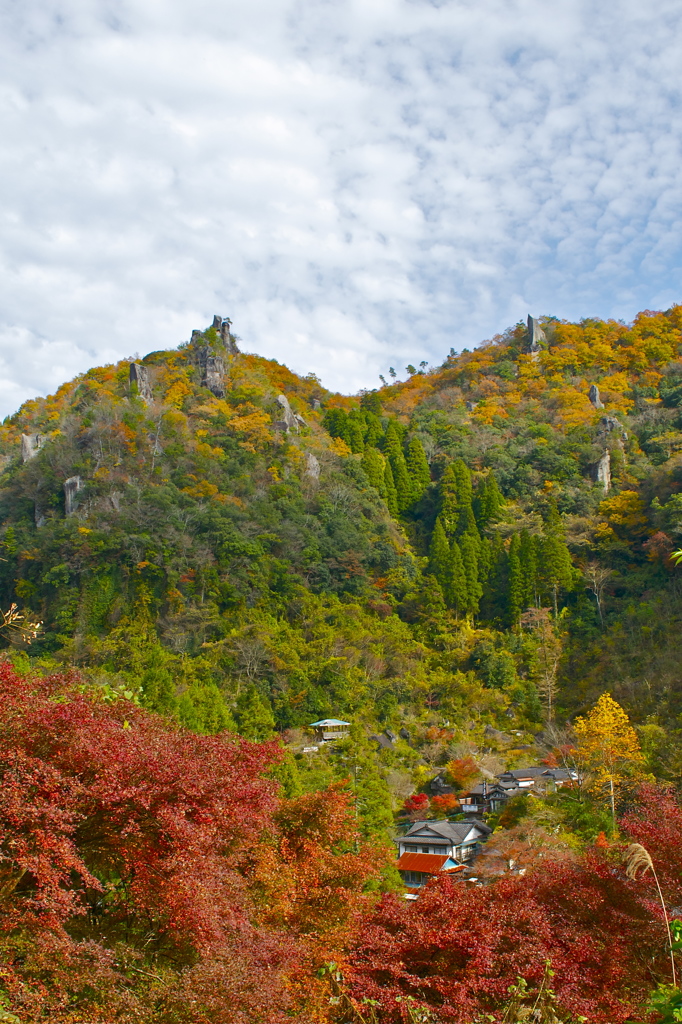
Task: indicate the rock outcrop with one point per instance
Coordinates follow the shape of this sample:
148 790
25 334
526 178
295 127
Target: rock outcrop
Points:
602 471
537 339
31 445
139 375
290 420
594 397
71 488
312 467
222 325
607 424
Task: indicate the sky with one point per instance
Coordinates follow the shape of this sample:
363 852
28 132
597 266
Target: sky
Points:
357 184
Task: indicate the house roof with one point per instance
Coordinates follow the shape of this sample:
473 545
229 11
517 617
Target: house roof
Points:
454 831
329 721
522 773
486 789
560 773
428 863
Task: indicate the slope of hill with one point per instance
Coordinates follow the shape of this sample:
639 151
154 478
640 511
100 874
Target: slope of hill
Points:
484 544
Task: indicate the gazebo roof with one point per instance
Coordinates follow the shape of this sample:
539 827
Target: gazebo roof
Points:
329 721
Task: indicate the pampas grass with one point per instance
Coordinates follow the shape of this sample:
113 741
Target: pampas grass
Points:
638 858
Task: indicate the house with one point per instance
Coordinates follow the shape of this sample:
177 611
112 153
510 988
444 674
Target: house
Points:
537 777
560 776
525 778
486 796
417 868
458 841
329 729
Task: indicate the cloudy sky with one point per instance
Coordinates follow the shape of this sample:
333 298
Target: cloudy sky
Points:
358 184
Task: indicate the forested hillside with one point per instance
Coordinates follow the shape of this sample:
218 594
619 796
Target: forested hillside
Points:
472 556
207 556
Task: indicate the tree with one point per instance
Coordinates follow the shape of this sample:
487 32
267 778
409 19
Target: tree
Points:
389 488
608 748
458 949
469 550
439 553
456 586
596 577
395 455
418 468
254 715
374 466
516 588
462 772
548 650
448 501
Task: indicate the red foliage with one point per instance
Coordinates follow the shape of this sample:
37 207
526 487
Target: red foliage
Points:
655 821
445 803
417 803
126 849
458 949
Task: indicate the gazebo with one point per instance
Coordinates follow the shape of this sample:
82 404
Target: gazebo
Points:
328 729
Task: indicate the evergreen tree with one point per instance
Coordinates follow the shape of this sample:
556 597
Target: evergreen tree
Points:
556 568
456 589
202 708
469 551
389 487
373 465
158 689
465 491
439 554
485 559
515 591
488 501
254 715
356 434
467 522
375 433
418 468
395 455
448 504
528 555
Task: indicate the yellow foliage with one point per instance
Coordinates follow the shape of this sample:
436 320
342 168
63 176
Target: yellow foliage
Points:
625 510
608 747
487 410
339 447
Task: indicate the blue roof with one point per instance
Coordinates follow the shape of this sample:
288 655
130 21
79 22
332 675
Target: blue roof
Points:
329 721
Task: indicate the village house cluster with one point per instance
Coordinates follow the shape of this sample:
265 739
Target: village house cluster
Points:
431 847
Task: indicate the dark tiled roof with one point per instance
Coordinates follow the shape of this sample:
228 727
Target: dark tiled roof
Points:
455 831
523 773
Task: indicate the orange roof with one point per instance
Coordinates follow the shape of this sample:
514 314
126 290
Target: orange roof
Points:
428 863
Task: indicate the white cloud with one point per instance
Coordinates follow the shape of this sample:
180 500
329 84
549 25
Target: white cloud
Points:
357 184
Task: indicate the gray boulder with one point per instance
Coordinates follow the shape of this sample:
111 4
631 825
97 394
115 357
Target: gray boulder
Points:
537 339
594 397
496 735
139 375
312 467
289 419
602 471
71 488
31 445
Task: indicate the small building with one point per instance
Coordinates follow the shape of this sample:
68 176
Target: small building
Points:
455 840
417 868
524 778
485 797
329 729
537 778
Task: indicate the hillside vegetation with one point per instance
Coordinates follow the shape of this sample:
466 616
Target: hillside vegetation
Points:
468 559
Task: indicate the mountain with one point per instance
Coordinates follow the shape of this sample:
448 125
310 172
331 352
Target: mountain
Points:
255 561
201 543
